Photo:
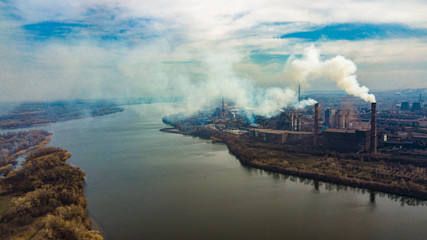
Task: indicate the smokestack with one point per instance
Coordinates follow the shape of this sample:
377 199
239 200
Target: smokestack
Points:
223 110
316 125
292 121
299 93
373 128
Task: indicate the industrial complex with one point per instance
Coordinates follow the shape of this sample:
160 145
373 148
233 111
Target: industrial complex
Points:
380 146
352 126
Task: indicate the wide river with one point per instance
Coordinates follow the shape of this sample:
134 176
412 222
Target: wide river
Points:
146 184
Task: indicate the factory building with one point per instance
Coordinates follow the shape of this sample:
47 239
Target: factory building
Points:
341 140
416 106
281 137
345 140
338 139
330 115
295 122
404 106
337 118
267 135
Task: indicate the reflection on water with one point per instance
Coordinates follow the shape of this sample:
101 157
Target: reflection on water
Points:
327 186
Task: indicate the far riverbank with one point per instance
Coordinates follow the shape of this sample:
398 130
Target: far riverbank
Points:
406 177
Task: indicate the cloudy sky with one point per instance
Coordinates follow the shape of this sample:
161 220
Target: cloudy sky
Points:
52 49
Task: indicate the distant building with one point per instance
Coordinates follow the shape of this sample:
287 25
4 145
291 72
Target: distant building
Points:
337 118
416 106
330 117
404 106
295 122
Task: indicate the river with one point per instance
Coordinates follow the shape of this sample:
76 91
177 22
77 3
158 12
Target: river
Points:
146 184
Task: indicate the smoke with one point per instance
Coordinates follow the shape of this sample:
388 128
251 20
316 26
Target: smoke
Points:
339 69
221 81
305 103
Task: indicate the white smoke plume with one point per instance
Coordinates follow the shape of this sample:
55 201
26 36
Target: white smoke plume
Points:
221 81
305 103
339 69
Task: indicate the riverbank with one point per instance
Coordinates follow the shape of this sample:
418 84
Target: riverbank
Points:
45 199
407 177
14 144
172 130
41 144
44 113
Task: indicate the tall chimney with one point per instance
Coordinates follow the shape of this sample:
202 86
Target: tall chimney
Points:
316 125
373 128
222 109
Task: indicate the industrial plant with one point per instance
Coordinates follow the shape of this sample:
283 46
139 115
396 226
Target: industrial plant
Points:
380 145
352 126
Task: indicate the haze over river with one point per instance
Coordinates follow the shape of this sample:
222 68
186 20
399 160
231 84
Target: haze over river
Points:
146 184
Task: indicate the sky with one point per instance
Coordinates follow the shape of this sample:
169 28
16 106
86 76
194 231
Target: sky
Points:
52 49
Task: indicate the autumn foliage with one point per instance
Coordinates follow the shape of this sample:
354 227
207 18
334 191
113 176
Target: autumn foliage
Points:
48 199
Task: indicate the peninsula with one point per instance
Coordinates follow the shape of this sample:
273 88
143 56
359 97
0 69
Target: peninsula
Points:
44 199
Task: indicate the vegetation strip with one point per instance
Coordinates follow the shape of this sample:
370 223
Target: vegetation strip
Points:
13 144
45 199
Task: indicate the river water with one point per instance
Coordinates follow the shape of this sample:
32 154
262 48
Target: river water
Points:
146 184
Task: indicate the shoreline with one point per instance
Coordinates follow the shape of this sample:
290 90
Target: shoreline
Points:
21 142
349 182
96 226
172 130
71 178
24 151
253 159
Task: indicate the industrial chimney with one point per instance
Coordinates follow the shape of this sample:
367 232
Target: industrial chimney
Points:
316 125
373 128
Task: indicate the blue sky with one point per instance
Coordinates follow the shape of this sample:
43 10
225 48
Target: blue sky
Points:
358 31
90 49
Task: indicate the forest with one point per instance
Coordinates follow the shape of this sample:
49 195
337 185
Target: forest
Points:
44 199
16 143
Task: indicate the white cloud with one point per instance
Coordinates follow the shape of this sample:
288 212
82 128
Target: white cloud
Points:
180 36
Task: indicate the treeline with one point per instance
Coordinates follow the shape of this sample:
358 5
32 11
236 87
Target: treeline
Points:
46 199
33 114
13 143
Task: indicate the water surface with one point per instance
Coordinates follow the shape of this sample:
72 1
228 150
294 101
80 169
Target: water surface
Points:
146 184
